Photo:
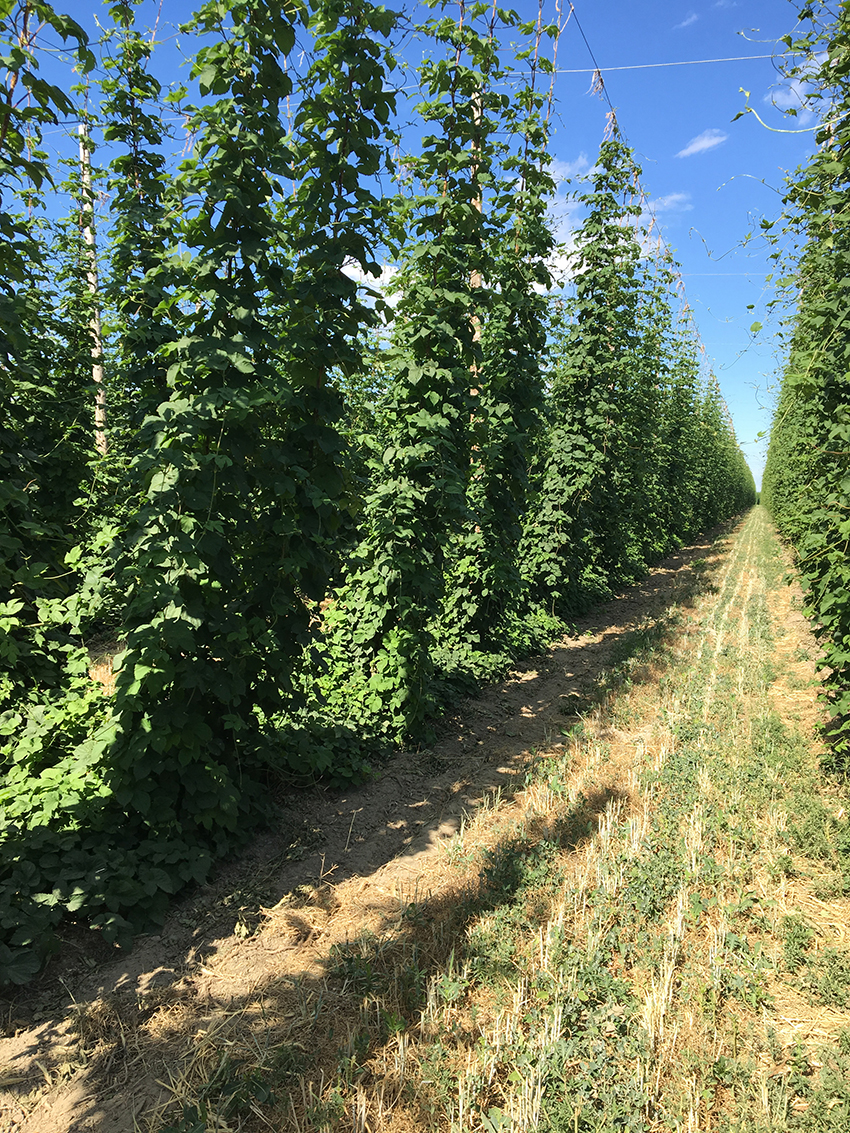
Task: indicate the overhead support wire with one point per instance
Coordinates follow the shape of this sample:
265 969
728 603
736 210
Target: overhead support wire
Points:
597 86
672 63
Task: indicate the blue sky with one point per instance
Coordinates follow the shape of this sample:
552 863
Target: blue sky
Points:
711 179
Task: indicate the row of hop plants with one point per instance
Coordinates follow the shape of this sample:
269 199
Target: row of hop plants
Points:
806 482
315 511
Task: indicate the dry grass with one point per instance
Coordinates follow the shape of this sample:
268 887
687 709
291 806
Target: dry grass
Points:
102 654
638 864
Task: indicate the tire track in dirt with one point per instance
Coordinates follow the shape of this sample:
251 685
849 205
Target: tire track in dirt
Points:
741 555
769 1021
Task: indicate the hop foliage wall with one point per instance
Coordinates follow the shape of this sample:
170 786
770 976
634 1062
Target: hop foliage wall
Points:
806 484
318 510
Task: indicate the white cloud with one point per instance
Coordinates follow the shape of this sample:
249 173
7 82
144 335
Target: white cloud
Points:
564 224
785 97
562 220
687 21
565 220
354 271
791 97
562 216
561 265
794 95
649 226
368 284
707 140
673 202
567 170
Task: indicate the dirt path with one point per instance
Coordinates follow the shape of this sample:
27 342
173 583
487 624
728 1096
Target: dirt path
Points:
374 886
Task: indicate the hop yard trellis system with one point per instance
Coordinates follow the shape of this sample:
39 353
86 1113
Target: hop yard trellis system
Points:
273 458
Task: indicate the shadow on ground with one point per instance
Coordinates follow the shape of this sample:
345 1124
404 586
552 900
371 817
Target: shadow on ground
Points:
90 1045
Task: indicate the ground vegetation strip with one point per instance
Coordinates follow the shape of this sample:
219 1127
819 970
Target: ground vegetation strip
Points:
262 520
638 924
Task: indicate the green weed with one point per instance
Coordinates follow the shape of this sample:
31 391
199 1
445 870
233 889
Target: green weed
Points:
796 937
826 978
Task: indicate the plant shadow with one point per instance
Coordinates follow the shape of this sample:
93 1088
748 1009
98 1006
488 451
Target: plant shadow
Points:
91 1041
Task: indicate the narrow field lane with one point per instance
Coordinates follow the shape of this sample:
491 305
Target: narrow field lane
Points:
653 935
639 922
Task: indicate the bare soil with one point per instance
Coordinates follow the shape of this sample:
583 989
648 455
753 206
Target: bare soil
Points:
95 1043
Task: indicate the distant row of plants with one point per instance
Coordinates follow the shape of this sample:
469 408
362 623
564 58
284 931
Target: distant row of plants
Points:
807 477
315 511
